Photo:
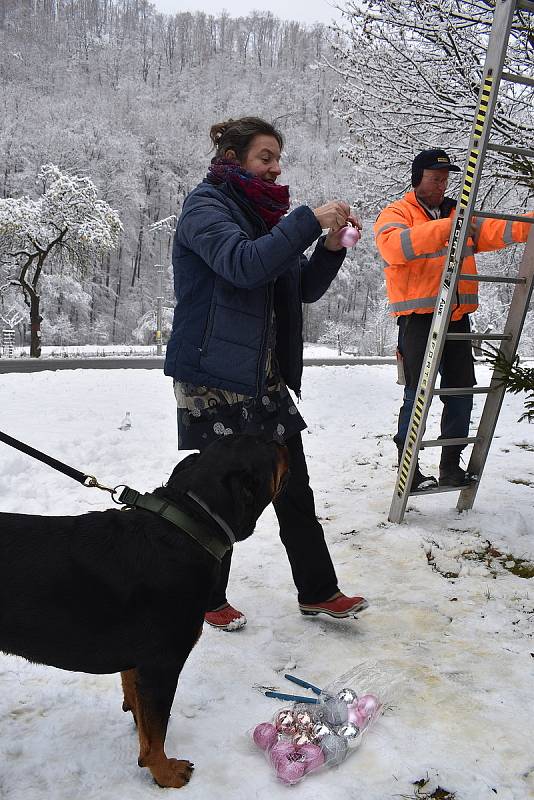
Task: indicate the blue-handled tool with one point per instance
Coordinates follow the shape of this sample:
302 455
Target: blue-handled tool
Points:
305 684
294 698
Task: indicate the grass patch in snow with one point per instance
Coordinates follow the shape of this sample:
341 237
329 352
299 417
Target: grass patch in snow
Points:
520 482
424 791
494 559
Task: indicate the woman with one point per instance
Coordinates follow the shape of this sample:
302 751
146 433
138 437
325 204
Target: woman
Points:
236 345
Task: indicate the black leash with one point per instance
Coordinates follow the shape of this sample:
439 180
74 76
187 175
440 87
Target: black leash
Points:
75 474
133 499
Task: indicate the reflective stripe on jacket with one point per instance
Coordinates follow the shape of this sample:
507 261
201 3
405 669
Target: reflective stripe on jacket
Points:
414 249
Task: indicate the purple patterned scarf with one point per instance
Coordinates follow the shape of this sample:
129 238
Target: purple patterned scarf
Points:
270 200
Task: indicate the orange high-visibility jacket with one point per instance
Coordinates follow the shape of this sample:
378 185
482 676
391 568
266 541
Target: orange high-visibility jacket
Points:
414 247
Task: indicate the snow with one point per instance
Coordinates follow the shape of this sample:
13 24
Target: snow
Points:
88 350
461 646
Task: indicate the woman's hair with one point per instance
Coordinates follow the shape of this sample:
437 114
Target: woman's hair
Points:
237 135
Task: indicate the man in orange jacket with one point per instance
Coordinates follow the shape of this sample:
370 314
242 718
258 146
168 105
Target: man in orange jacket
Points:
412 236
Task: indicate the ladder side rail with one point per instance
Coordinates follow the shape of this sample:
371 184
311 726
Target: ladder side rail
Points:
496 51
488 420
421 406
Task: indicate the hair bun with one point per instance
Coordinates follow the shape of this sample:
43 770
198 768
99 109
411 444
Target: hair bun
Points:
218 130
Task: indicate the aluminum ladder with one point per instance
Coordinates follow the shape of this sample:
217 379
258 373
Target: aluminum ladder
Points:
479 143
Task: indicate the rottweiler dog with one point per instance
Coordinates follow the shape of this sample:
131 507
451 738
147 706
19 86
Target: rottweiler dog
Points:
126 590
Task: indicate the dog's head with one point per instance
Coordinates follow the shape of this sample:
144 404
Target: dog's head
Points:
236 477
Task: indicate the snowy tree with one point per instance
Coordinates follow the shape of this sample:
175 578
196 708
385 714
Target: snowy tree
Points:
145 331
410 74
63 229
343 335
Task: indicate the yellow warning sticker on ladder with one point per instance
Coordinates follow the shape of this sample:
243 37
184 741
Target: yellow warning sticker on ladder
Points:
480 120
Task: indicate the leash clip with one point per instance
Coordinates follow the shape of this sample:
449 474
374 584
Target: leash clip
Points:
91 482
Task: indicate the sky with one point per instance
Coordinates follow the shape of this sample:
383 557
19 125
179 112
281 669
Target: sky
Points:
307 11
447 640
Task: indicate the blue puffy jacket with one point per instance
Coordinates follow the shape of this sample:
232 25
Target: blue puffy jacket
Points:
229 273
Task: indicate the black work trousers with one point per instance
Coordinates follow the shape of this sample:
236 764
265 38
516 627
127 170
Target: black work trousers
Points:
301 535
456 369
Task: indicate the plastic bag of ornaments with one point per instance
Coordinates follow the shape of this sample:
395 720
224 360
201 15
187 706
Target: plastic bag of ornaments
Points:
301 738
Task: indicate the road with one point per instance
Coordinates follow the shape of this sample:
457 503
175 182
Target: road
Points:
111 362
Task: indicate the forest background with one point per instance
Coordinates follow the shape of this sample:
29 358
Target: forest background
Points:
116 92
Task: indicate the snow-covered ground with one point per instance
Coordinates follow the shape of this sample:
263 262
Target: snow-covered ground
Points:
447 616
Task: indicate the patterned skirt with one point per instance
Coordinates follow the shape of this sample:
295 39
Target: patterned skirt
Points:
206 414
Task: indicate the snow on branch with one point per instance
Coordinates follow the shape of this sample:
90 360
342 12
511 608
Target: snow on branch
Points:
410 75
66 225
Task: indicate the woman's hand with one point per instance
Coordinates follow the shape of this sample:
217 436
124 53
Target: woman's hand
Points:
333 214
334 236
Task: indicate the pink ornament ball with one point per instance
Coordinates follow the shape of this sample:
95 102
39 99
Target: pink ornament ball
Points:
355 717
313 756
265 735
349 236
368 705
280 751
290 771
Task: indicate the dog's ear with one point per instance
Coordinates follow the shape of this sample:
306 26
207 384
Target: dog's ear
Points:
185 463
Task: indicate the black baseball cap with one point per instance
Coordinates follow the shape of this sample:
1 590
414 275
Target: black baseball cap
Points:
431 159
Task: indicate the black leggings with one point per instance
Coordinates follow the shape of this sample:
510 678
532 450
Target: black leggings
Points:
301 535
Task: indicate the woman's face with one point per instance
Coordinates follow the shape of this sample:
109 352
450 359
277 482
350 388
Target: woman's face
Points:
263 158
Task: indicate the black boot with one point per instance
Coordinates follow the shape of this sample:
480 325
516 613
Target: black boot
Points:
420 482
450 471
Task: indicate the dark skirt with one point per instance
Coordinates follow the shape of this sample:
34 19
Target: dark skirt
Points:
205 414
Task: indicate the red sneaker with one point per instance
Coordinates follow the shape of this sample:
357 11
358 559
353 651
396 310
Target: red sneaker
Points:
226 617
338 606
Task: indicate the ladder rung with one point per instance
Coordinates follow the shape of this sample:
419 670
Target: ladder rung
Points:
497 215
440 489
516 151
508 76
491 278
448 442
463 390
478 337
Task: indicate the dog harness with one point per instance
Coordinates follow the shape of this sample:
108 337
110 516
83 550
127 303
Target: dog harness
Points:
196 530
134 499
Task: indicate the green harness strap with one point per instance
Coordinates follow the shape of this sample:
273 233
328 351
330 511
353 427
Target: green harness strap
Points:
174 515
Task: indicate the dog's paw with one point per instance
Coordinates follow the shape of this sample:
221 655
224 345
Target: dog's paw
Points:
173 773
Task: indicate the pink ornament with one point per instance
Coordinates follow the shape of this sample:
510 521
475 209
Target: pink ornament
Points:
265 735
290 771
285 722
348 236
313 756
353 715
368 704
281 750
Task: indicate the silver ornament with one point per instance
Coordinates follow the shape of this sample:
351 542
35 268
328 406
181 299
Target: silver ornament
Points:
303 737
347 696
334 748
348 731
303 719
321 729
334 712
285 723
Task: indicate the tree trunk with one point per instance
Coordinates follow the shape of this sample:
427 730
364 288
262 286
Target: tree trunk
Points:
35 321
